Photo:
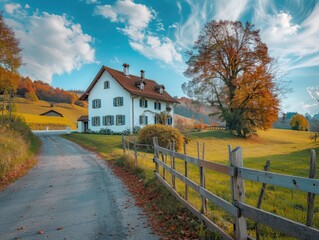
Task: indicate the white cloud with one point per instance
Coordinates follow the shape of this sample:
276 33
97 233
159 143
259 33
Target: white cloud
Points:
136 19
52 44
126 11
279 30
27 6
201 12
91 1
313 92
12 7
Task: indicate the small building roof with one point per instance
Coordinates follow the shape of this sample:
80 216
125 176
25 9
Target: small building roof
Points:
51 111
129 84
84 118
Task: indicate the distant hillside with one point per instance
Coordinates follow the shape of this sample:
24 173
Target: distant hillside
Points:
31 111
196 111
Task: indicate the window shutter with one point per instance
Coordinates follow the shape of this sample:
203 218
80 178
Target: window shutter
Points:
112 120
159 106
141 120
155 103
146 120
99 103
123 119
145 103
114 102
121 101
140 102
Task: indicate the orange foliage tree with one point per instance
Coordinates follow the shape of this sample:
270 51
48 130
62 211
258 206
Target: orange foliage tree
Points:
10 61
299 122
231 69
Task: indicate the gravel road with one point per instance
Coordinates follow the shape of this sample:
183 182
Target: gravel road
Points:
70 194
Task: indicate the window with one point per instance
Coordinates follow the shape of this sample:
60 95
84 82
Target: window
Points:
95 121
118 101
169 120
143 103
143 120
106 84
120 119
96 103
157 105
108 120
156 119
142 86
161 90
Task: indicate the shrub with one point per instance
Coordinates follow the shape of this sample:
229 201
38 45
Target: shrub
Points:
299 122
164 133
106 131
136 129
32 96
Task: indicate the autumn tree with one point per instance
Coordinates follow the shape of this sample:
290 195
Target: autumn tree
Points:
230 68
299 122
10 61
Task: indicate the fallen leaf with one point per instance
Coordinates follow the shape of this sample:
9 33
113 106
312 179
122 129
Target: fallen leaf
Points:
41 232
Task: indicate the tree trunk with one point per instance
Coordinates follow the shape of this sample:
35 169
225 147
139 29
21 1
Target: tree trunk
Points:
3 106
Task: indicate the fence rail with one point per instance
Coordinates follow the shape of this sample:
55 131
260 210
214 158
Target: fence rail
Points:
238 174
238 208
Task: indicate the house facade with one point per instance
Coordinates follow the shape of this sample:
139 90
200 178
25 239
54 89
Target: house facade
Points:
120 101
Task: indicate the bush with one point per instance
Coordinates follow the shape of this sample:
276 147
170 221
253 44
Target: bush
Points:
106 131
164 133
299 122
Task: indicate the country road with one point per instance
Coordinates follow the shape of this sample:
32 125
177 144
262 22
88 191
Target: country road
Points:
70 194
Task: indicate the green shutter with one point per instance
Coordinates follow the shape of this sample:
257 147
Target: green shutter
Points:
155 103
112 120
140 102
145 103
121 101
146 120
114 102
159 106
141 120
123 119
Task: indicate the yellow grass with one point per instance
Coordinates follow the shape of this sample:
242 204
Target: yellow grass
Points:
32 110
37 122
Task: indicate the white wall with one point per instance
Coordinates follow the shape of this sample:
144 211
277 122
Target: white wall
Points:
80 126
131 104
107 108
149 111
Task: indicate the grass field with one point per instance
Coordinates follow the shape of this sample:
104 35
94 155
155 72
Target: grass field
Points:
288 151
31 111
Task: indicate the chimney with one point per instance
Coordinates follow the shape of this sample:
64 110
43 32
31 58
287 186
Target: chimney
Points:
126 69
142 74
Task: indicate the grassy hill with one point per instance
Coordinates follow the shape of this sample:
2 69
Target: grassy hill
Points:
30 111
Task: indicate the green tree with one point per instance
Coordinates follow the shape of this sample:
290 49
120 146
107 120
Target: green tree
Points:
299 122
10 61
230 68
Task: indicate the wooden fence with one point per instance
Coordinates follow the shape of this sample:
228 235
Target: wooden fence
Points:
237 207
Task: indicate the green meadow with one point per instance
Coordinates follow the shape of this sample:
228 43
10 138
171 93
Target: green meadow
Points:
288 152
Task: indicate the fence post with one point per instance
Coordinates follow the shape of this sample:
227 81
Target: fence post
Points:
164 171
201 181
135 154
123 144
155 143
311 196
172 158
262 192
238 190
186 173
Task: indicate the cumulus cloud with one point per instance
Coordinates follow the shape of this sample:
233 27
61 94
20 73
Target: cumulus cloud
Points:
52 44
136 19
280 29
12 7
155 48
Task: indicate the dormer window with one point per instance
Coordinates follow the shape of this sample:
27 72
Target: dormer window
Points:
142 86
159 88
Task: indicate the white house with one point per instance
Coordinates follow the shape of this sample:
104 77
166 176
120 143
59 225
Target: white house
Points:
120 101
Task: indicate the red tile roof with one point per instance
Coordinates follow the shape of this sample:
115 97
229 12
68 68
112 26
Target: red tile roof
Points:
128 83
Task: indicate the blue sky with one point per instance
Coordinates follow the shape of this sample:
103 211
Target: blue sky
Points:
65 42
